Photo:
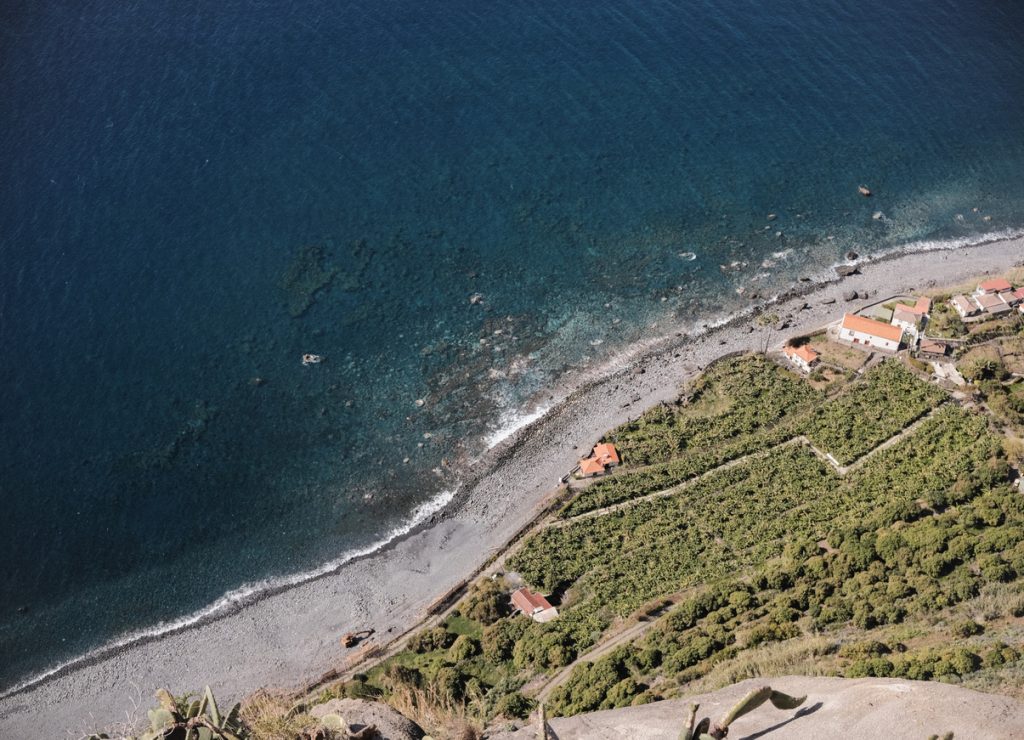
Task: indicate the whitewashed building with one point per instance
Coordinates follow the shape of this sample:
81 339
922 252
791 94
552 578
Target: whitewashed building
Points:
993 286
803 357
965 306
860 330
993 303
907 319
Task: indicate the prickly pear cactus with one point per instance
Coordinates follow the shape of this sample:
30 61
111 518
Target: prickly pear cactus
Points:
708 730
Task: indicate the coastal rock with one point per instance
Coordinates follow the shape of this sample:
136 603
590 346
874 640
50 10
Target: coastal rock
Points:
390 724
878 216
847 270
828 301
864 190
851 255
772 217
476 299
850 295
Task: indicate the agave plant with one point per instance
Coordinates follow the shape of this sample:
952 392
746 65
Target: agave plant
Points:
199 719
708 730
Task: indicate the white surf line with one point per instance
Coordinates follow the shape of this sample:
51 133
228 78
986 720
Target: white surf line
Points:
237 598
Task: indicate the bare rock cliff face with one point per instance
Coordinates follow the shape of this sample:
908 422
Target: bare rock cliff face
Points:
835 708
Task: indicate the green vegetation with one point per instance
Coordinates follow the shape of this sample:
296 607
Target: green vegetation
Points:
757 556
186 718
738 407
944 321
921 527
888 399
732 401
767 407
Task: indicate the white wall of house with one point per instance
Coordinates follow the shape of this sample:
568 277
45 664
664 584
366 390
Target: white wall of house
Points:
799 363
857 337
906 326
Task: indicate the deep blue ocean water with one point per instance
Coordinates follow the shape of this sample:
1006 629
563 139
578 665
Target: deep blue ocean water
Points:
180 177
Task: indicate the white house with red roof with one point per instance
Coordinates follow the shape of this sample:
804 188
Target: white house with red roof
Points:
870 333
964 306
993 303
803 357
603 458
993 286
908 320
533 605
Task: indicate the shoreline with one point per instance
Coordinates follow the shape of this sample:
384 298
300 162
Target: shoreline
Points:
288 633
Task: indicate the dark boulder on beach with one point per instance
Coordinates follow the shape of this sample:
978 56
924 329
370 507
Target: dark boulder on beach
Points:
847 270
850 295
828 301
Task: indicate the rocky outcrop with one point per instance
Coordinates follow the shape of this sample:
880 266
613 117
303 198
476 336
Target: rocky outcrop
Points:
835 708
358 714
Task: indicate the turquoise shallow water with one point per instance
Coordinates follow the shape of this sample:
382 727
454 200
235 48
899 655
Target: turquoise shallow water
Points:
179 179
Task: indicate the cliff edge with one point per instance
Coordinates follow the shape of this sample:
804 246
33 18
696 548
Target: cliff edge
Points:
835 707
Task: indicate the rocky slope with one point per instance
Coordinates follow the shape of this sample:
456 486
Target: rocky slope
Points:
835 707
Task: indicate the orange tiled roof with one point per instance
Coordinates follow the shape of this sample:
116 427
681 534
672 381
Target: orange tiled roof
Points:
591 465
529 602
996 285
966 304
865 325
606 453
988 302
804 352
923 306
903 313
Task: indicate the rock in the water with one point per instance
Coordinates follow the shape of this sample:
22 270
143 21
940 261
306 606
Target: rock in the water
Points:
847 270
878 216
850 295
864 190
772 216
851 255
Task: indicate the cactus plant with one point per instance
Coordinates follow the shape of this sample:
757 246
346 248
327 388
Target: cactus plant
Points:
199 719
708 730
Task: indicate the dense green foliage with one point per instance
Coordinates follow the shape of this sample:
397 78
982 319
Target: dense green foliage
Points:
740 406
922 526
735 398
771 406
888 399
